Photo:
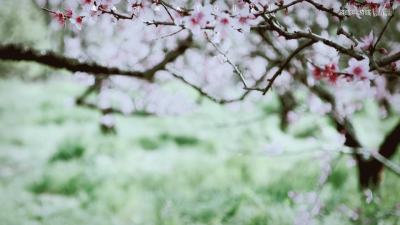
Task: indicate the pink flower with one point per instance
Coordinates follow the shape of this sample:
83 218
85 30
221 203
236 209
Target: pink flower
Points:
329 73
137 7
316 72
68 12
58 20
367 41
86 4
77 20
224 23
244 21
360 69
198 20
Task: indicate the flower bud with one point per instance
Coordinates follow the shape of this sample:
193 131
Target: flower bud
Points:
383 51
393 65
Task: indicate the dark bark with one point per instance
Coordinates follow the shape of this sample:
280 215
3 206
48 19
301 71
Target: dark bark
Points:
58 61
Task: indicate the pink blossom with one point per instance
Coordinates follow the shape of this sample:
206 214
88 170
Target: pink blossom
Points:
137 7
198 20
367 41
58 20
360 69
244 20
86 4
77 20
68 12
224 23
316 72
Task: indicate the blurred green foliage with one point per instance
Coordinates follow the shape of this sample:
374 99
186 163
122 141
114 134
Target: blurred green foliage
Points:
68 150
189 176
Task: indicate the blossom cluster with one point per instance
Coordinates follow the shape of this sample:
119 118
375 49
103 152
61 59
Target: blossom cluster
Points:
111 43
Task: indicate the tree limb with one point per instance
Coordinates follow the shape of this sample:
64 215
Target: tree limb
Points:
58 61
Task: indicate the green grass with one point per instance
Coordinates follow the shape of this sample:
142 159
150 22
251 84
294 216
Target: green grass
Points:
170 170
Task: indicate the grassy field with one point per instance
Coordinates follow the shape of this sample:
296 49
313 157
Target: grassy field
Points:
57 168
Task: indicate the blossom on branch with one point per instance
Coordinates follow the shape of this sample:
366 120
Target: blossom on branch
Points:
77 20
244 20
198 20
367 41
360 70
58 21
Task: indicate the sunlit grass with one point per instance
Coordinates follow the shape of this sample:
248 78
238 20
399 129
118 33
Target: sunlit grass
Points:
57 167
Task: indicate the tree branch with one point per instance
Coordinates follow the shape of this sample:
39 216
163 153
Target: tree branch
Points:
229 61
52 59
271 81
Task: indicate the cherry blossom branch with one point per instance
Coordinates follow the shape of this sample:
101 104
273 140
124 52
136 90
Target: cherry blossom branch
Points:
162 23
316 38
279 8
169 35
50 58
375 64
210 96
322 8
388 59
117 15
185 11
199 89
318 6
277 73
47 10
322 69
168 12
229 61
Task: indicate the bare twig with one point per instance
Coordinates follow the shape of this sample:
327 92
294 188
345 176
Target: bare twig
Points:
229 61
50 58
380 35
168 12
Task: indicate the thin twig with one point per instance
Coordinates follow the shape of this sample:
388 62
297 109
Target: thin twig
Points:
277 73
380 35
168 12
169 35
229 61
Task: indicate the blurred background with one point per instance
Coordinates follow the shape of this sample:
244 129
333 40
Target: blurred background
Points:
215 165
